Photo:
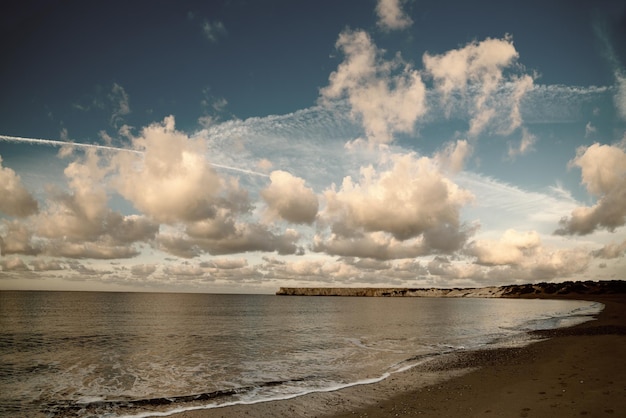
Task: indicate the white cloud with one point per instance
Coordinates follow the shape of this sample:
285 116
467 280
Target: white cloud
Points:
172 180
480 66
603 172
511 248
388 96
410 200
391 16
288 198
15 200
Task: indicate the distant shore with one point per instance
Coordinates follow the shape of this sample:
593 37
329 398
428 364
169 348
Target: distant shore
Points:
577 371
535 290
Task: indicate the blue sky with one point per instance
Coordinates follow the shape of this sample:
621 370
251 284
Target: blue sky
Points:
234 146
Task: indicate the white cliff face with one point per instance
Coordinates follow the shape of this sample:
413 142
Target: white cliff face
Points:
539 290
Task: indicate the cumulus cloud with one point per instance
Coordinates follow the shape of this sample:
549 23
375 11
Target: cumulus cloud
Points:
15 200
16 238
409 200
511 248
603 172
387 96
391 16
479 67
521 255
288 198
172 180
78 223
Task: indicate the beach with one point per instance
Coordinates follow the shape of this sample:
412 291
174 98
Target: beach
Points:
577 371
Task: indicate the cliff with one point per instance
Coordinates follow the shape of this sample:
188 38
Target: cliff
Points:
538 290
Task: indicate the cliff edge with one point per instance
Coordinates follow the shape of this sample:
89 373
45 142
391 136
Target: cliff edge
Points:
537 290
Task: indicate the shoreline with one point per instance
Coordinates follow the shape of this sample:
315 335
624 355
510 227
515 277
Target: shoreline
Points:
577 370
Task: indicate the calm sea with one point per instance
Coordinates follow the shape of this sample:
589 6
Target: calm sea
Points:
126 354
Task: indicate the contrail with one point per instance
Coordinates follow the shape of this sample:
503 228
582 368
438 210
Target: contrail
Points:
56 143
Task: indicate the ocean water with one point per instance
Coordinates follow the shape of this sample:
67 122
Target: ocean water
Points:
84 354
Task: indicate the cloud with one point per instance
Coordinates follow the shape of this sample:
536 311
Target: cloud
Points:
121 104
213 30
288 198
453 156
387 96
511 248
525 146
143 270
46 265
612 250
479 68
620 94
13 264
16 238
391 16
603 172
78 223
227 236
522 256
172 180
15 200
411 199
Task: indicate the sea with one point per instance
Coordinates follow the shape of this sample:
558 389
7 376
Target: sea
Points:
102 354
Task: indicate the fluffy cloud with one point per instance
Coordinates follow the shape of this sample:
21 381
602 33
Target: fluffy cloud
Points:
172 180
77 223
15 200
391 16
407 200
387 96
522 256
512 248
288 198
411 200
603 172
16 238
479 67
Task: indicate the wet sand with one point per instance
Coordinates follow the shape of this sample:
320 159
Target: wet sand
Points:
577 371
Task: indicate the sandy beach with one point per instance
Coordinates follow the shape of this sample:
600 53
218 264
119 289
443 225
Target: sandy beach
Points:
577 371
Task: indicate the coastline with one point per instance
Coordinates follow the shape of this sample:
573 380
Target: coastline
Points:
574 371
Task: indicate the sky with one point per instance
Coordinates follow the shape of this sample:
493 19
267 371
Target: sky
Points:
241 146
